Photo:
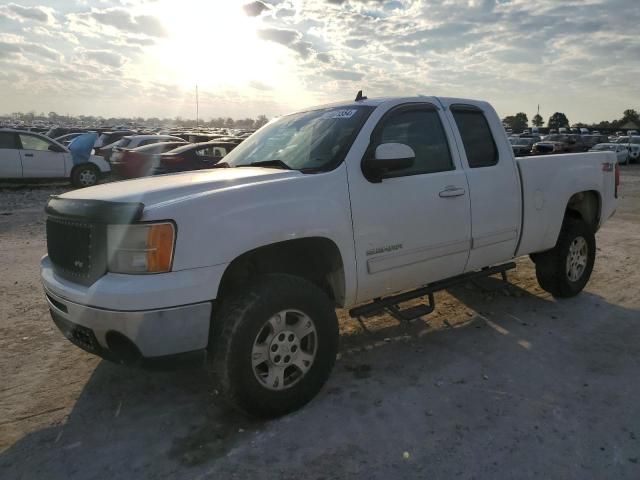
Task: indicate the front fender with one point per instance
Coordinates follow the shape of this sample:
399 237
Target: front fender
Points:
101 163
217 227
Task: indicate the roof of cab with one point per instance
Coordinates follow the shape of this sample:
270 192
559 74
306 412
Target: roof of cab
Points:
376 102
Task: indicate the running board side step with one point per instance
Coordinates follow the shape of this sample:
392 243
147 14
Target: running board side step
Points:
390 304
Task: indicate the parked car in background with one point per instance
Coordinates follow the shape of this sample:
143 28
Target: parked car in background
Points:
109 138
139 162
235 140
560 143
591 140
521 146
55 132
66 139
627 139
555 143
29 155
135 141
194 156
621 151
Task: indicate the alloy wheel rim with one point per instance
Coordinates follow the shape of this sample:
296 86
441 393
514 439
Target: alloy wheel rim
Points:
284 349
87 177
577 258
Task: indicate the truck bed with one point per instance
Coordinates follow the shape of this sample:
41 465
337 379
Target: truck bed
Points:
548 182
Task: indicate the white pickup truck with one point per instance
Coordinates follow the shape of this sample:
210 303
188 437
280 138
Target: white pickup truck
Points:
346 205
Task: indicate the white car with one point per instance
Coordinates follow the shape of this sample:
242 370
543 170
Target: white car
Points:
621 150
29 155
633 144
135 141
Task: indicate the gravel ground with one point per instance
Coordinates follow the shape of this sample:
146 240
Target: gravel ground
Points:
497 383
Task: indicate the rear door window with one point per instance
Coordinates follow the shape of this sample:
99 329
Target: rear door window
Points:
477 138
8 140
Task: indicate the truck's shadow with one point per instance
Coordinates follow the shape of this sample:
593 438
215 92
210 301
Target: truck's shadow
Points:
135 423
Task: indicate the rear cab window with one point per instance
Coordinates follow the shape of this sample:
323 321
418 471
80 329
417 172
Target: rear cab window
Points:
479 144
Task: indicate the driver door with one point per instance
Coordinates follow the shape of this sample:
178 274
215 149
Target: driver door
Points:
40 158
414 226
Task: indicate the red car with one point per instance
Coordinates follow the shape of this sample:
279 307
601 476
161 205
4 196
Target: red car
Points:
194 156
138 162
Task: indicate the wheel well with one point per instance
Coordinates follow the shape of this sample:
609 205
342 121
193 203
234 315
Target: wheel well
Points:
84 164
585 206
316 259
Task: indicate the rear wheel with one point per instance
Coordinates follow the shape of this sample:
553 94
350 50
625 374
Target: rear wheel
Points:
85 176
565 270
274 345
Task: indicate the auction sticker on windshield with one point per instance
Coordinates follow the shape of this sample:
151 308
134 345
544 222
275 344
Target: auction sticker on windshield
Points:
340 114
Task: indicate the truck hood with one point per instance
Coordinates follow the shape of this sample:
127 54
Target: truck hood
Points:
152 191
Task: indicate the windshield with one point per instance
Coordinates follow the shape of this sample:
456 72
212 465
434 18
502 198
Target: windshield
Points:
520 141
317 140
604 147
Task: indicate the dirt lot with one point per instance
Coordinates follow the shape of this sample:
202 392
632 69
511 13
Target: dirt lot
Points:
508 383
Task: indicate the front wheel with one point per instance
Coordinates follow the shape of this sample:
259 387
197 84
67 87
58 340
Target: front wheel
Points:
85 176
274 345
565 270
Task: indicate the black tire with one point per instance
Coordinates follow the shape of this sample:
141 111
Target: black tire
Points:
86 175
551 266
236 326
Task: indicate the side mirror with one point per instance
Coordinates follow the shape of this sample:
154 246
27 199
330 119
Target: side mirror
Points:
388 157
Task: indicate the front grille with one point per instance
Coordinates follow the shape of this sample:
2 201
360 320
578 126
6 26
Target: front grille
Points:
76 249
69 246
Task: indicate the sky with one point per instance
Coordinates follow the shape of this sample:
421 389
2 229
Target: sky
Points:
144 58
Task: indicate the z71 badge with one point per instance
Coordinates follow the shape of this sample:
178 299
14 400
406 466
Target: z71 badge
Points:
385 249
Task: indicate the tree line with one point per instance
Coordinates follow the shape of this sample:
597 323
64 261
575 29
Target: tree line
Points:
519 121
91 120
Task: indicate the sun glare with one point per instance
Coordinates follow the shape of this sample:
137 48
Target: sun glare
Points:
213 44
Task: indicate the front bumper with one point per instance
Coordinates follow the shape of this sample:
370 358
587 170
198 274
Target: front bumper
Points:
163 337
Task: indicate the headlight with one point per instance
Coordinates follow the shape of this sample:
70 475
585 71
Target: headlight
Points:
140 248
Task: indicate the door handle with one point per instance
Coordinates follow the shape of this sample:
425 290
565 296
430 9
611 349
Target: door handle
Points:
452 192
28 154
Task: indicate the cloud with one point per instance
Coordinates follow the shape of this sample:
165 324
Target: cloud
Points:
289 38
355 43
280 35
254 9
123 20
285 12
324 57
258 85
104 57
13 45
513 53
344 74
40 14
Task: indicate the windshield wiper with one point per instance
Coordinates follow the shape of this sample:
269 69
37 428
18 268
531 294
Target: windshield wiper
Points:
268 164
221 165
